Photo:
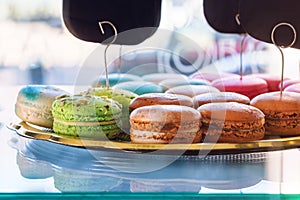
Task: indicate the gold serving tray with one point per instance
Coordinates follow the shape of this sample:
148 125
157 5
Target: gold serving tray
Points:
268 144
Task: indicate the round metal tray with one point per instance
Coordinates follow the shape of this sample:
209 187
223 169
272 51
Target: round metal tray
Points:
267 144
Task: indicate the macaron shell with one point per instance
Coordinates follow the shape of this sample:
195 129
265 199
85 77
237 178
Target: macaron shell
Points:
293 88
212 76
115 78
274 101
192 90
158 77
165 113
272 80
202 99
170 83
139 87
231 111
248 86
287 83
160 99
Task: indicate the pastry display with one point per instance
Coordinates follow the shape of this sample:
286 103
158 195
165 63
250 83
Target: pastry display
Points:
139 87
87 116
160 99
34 104
192 90
165 124
248 86
115 78
205 98
282 112
231 122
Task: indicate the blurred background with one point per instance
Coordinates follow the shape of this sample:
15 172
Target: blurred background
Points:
36 47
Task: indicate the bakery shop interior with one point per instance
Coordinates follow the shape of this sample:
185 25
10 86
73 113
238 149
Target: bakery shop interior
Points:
129 96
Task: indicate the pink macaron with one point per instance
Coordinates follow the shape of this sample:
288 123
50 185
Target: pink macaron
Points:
248 86
212 76
293 88
287 83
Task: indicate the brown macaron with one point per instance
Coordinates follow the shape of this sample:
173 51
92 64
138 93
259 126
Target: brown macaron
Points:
231 122
205 98
161 124
282 112
192 90
160 99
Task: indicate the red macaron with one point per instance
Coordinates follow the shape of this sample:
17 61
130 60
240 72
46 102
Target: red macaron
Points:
212 76
248 86
272 80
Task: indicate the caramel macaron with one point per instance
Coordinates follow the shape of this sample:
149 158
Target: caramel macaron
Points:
282 112
231 122
160 99
202 99
161 124
192 90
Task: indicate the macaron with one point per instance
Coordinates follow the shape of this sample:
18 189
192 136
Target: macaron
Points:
160 124
293 88
272 80
160 99
248 86
282 112
287 83
212 76
158 77
202 99
34 103
192 90
139 87
231 122
123 97
87 116
115 78
170 83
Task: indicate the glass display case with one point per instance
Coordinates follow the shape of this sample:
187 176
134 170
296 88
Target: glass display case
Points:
36 48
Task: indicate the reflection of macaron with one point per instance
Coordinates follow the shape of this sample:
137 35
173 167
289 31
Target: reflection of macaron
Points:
87 116
165 124
212 76
68 180
33 169
158 77
116 78
231 122
124 97
156 185
282 112
139 87
34 104
192 90
170 83
248 86
272 80
293 88
202 99
160 99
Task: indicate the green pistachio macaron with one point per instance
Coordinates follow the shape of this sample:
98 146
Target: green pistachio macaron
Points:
123 97
87 116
